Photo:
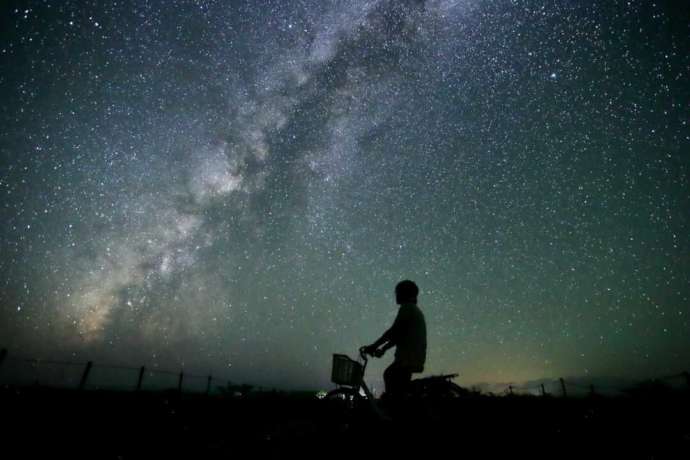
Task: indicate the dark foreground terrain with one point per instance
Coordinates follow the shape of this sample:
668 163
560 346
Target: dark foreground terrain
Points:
90 424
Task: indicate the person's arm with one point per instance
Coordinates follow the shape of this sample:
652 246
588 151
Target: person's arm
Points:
388 339
386 346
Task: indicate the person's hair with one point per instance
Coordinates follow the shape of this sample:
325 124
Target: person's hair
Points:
407 290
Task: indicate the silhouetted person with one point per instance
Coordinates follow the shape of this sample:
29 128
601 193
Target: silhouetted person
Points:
408 335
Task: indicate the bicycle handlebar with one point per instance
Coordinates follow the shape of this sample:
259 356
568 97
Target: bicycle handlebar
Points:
363 354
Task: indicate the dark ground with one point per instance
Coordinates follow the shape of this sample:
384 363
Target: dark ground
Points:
95 424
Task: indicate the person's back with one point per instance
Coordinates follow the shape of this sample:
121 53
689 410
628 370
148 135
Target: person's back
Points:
408 335
410 350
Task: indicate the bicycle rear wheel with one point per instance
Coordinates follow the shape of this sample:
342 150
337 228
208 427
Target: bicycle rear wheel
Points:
437 389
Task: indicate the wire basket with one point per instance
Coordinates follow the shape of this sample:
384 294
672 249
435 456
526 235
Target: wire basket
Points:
346 371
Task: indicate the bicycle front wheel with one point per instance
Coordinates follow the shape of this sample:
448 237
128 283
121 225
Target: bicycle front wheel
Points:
345 405
348 396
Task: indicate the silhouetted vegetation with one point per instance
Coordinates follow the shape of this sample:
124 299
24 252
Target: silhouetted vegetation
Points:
647 423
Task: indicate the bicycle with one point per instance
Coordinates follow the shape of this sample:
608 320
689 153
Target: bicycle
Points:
353 391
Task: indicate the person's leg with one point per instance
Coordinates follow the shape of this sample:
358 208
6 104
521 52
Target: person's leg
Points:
389 380
404 377
396 379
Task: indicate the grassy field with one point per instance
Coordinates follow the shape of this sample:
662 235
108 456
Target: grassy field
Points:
100 424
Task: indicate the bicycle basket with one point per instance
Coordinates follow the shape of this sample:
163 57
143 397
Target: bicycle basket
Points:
346 371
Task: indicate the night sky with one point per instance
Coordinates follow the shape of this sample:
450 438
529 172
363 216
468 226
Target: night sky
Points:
237 187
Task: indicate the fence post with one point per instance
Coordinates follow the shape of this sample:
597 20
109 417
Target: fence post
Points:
141 377
591 390
85 375
179 384
208 385
3 355
510 389
543 391
565 393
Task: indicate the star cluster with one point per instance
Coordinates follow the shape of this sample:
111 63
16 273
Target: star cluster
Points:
239 186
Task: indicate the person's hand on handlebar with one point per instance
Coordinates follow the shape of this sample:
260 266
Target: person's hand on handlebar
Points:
373 351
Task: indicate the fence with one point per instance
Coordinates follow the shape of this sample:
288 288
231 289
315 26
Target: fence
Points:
93 375
81 375
564 388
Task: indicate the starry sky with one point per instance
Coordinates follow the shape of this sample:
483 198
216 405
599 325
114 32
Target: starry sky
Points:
238 186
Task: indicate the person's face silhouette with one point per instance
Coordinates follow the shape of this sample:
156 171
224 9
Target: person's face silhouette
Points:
400 299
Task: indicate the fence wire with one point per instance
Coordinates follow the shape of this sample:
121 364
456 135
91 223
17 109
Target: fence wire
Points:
100 376
27 370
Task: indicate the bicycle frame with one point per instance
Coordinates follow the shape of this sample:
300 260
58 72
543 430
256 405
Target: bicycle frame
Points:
367 392
362 383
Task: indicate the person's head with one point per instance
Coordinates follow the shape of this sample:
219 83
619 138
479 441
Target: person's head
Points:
406 292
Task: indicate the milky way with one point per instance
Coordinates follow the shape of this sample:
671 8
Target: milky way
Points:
238 186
